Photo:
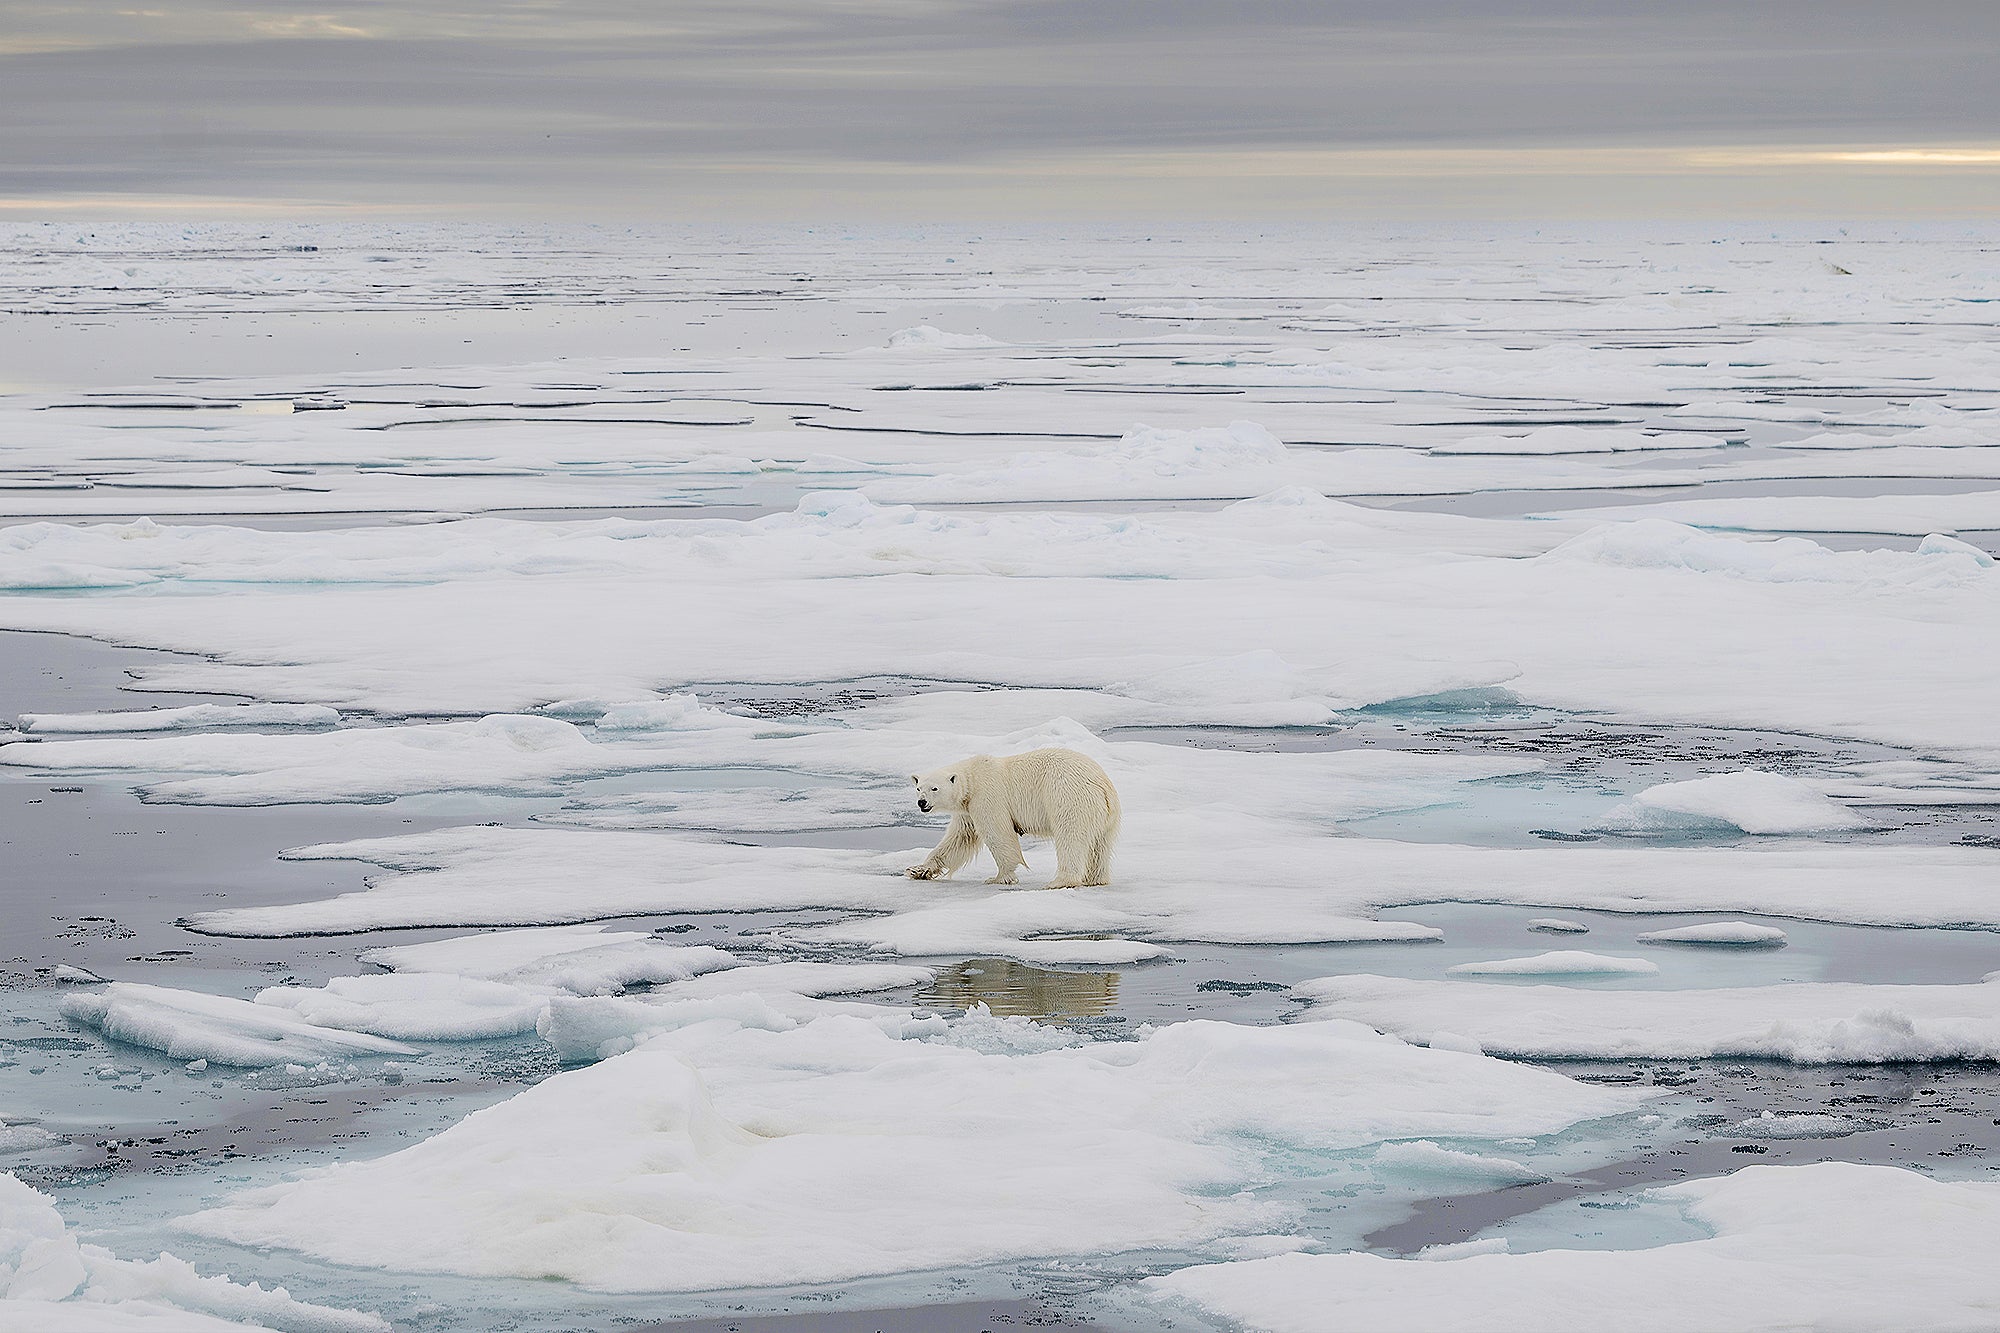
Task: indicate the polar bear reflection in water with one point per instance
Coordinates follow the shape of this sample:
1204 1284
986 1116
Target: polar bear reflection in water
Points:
1055 793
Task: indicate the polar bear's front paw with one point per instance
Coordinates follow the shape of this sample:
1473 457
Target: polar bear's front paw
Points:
924 871
1004 878
1064 884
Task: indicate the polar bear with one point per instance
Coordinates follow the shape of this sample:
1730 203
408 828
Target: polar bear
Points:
1053 793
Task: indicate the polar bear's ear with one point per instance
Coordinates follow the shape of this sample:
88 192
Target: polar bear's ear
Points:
952 778
914 778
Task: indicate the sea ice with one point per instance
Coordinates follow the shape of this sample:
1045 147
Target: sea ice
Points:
50 1282
1561 963
188 1025
1738 933
1804 1022
1753 801
192 718
1833 1245
712 1156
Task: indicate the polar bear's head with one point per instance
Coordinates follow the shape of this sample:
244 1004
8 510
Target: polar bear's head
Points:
940 789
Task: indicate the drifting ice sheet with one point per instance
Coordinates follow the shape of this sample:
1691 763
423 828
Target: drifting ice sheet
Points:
1749 800
1832 1246
188 1025
1561 963
1805 1022
712 1156
52 1283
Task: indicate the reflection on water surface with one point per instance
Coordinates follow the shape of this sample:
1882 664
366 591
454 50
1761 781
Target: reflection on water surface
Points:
1017 990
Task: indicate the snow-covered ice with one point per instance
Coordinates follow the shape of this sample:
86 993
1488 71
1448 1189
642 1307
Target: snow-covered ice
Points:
1560 963
1748 800
188 1025
1741 934
1835 1245
1389 573
713 1155
51 1282
1807 1022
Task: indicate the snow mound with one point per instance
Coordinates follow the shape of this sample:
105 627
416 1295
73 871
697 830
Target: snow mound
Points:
712 1156
50 1282
1804 1022
1742 934
1835 1245
1749 800
576 960
1561 963
188 1025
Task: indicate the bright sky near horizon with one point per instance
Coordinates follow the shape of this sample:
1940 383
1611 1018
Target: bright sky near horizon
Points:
1017 109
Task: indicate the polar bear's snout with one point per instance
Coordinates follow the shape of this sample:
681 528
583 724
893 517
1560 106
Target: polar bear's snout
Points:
923 804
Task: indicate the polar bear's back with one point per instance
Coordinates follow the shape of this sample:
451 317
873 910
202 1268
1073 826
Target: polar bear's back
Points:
1057 788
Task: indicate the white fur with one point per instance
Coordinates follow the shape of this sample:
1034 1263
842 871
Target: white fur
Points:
1056 794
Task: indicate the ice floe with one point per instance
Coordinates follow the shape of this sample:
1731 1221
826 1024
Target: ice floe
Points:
188 1025
192 718
51 1282
1738 934
1560 963
1804 1022
1752 801
1835 1245
711 1156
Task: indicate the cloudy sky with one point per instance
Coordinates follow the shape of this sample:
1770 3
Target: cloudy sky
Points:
1018 108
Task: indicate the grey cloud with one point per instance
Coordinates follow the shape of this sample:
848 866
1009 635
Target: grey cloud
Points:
616 98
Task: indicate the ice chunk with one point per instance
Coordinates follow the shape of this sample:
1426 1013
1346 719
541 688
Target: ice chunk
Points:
25 1138
1555 925
1834 1245
1422 1157
1805 1022
188 1025
1561 963
1464 1249
1800 1125
52 1283
1753 801
582 960
713 1155
1743 934
413 1006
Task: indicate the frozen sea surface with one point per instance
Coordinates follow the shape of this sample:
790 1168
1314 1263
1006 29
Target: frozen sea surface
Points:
1416 588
